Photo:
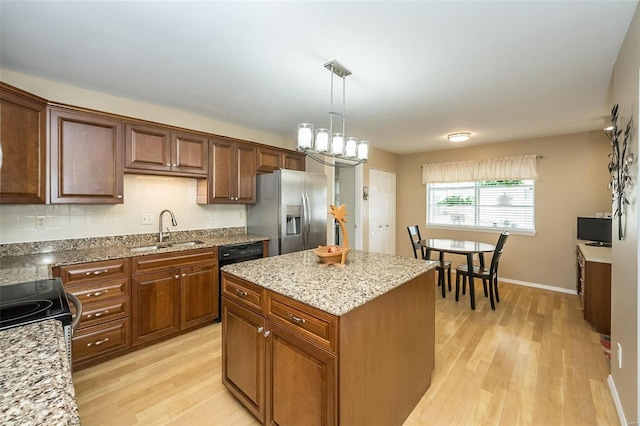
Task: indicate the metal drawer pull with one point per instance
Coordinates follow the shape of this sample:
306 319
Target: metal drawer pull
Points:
260 329
98 343
98 314
296 319
98 272
241 292
267 333
97 293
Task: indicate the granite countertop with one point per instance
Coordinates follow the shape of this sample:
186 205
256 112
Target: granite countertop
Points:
36 383
333 289
30 267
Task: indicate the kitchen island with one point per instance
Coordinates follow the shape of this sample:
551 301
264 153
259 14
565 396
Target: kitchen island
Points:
311 344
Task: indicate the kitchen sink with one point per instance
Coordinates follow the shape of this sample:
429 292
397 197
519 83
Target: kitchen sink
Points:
149 248
157 246
186 243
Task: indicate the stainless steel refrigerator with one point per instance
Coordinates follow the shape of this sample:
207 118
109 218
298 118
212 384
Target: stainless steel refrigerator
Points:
291 209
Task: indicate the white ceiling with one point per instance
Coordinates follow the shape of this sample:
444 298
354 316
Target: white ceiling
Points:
502 70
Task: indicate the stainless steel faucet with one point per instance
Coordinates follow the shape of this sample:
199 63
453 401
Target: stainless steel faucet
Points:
163 235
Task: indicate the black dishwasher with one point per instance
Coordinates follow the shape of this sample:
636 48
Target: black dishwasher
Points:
234 253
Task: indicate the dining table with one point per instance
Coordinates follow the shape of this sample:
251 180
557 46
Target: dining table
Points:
461 247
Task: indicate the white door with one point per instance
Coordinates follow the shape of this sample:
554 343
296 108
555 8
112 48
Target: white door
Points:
382 212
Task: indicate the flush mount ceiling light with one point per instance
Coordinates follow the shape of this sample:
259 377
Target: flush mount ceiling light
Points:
325 141
459 137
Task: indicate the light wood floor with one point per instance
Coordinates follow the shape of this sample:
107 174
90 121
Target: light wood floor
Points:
533 361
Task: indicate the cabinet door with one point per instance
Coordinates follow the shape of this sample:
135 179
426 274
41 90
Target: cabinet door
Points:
294 161
198 295
23 142
298 375
147 148
189 153
245 192
268 159
156 306
243 356
221 188
87 158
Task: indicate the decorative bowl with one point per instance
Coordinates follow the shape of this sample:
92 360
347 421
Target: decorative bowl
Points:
338 258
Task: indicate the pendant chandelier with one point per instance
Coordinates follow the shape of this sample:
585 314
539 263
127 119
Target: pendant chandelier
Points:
324 141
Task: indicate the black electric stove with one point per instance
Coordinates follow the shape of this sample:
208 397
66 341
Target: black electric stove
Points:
33 301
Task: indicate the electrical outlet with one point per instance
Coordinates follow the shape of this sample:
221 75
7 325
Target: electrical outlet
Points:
41 222
619 356
145 219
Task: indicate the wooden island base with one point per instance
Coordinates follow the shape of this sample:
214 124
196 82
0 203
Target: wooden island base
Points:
291 364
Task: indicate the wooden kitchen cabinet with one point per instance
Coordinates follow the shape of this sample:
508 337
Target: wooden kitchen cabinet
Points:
159 150
104 329
23 140
172 293
232 173
290 363
87 157
269 159
294 161
156 306
594 289
275 368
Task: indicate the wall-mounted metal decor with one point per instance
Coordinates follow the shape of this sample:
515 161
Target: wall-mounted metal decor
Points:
619 161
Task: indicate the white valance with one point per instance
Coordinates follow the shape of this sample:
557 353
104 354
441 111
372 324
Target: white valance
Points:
505 168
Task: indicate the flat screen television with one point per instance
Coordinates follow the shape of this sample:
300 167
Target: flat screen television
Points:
597 230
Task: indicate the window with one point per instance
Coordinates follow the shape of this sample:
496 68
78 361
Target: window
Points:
489 205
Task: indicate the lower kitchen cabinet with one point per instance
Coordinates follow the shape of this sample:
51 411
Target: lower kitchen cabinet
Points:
594 286
100 340
156 308
290 363
271 368
103 288
172 293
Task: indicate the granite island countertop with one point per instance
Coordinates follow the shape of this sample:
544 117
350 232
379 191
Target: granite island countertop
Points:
333 289
35 376
30 267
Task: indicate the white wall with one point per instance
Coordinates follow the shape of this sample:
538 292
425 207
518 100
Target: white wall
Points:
142 195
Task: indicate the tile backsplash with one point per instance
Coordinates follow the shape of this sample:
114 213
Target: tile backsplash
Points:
143 195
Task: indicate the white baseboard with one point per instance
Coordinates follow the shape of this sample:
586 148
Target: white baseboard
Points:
536 285
616 401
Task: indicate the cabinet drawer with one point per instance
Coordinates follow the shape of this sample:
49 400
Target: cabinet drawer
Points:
312 324
97 292
243 292
158 262
104 311
76 274
101 340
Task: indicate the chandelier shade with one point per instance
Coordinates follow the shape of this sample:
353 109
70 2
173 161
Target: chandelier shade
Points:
325 141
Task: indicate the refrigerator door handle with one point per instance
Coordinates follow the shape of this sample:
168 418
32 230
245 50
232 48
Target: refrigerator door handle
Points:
305 213
308 219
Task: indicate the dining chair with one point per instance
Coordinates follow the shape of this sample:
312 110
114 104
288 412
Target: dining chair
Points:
442 267
489 276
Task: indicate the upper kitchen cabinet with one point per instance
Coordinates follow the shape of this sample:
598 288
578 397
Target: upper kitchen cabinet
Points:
24 147
87 157
160 150
269 159
232 173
